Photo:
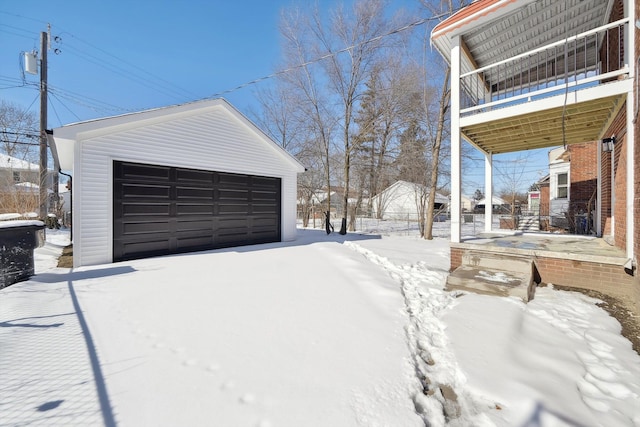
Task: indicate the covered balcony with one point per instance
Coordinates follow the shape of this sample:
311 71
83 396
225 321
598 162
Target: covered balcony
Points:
530 74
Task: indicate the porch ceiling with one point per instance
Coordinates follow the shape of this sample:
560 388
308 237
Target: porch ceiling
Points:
582 122
535 24
495 30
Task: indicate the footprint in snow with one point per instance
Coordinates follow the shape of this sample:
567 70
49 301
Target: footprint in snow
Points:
213 367
228 385
247 399
190 362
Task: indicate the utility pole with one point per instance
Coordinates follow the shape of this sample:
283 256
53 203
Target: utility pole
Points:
44 45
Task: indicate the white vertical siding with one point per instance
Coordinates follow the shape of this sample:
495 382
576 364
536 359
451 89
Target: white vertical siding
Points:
288 209
213 139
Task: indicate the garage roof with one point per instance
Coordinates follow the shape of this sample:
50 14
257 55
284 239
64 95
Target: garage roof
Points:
64 138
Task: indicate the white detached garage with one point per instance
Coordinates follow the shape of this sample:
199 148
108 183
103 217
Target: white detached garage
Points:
183 178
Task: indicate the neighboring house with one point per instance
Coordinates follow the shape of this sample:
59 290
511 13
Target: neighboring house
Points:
323 197
20 185
64 204
16 171
538 199
314 204
400 201
182 178
530 74
467 204
572 187
499 206
559 188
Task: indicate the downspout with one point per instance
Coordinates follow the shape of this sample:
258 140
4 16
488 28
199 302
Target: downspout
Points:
630 51
613 193
56 164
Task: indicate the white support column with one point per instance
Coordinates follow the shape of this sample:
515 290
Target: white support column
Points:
456 159
629 53
488 192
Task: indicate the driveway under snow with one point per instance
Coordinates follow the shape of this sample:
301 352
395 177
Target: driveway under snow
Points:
323 331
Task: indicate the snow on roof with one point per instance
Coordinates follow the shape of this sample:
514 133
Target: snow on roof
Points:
9 162
440 198
495 201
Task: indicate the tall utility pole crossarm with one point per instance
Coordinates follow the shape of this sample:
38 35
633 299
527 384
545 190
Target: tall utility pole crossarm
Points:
44 181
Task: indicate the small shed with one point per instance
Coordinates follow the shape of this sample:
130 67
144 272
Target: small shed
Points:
498 205
183 178
400 201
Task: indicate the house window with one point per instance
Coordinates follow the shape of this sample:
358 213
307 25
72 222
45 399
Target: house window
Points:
16 176
563 187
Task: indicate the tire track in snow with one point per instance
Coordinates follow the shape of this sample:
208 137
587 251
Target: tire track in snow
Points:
441 398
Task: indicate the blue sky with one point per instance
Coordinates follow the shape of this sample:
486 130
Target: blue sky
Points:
119 56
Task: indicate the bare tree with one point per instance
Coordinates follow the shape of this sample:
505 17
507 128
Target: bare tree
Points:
18 132
278 115
378 121
436 146
18 140
314 121
441 8
360 30
513 188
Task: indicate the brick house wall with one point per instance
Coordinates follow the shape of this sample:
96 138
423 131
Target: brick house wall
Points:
612 54
620 187
583 183
544 200
617 128
636 196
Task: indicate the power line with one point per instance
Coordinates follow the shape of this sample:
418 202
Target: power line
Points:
74 97
122 72
83 102
101 106
155 83
33 135
55 111
330 54
67 108
176 88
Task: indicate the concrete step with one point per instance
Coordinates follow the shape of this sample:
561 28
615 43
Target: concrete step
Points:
529 223
492 274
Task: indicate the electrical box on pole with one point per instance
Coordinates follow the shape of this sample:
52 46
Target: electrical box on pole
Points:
31 62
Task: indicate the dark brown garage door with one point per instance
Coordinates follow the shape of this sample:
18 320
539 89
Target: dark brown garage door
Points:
160 210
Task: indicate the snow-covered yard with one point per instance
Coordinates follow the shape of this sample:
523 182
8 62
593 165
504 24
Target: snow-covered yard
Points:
331 330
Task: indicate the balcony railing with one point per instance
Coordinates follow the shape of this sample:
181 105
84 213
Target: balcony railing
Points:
588 59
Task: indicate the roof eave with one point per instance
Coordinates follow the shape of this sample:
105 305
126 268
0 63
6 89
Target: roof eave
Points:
475 14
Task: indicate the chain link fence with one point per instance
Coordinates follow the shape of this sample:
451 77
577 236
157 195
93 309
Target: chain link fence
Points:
403 223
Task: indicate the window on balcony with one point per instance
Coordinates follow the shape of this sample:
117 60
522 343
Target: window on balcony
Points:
562 190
